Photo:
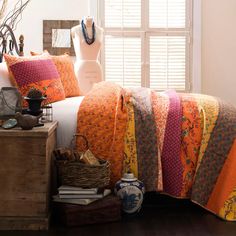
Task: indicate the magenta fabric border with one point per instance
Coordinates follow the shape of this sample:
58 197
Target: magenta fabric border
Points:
172 168
27 72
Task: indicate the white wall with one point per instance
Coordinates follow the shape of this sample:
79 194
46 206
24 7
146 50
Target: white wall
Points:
31 25
218 37
219 49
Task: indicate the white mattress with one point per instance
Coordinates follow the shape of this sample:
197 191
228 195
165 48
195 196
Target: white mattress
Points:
65 112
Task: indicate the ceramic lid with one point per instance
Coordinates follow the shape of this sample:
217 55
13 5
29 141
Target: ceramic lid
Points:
128 177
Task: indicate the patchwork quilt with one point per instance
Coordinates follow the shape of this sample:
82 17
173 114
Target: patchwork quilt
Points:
183 145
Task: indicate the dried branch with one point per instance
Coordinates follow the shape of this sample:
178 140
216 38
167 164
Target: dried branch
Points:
12 16
3 9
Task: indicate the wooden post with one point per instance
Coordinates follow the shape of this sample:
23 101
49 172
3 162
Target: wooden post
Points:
21 45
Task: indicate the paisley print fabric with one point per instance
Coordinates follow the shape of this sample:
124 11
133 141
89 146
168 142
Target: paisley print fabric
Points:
181 144
209 109
191 136
228 211
160 106
102 120
147 151
224 187
220 143
65 68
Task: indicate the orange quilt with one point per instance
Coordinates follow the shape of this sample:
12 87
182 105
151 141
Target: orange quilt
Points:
133 130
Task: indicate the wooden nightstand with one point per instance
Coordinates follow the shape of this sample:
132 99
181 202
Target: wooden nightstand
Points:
25 177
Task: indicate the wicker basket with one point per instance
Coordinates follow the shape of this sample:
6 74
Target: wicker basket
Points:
79 174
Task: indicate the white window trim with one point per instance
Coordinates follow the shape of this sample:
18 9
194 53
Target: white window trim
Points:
196 40
197 48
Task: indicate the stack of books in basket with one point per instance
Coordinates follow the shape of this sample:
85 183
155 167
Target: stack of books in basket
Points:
78 195
83 170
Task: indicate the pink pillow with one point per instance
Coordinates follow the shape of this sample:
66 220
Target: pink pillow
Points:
38 72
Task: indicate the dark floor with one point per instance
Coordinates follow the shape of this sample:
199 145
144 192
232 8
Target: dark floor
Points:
160 215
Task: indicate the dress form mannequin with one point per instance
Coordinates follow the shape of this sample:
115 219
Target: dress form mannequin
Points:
87 67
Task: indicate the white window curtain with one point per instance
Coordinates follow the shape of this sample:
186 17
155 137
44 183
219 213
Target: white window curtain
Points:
147 43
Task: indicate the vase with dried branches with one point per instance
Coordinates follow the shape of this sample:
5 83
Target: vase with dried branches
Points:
8 23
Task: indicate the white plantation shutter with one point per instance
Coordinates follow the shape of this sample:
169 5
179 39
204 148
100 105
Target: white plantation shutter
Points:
123 60
167 62
122 53
147 43
167 13
122 13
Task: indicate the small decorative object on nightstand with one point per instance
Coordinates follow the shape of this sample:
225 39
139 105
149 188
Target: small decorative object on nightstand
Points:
10 102
131 191
47 114
9 124
25 177
34 99
26 121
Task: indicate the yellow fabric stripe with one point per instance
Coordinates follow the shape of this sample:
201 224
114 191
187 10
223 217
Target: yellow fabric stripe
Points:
209 110
130 160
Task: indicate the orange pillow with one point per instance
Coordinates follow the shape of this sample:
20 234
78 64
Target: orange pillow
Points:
39 72
65 69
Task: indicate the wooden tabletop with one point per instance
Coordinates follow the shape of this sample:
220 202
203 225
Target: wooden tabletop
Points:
42 131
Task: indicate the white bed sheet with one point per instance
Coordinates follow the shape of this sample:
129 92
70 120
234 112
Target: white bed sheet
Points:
65 112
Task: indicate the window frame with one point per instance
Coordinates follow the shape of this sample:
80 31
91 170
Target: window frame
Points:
194 47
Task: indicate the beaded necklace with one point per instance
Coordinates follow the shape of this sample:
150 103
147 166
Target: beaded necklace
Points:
88 40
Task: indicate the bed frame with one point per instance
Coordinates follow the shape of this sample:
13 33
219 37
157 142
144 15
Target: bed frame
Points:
9 44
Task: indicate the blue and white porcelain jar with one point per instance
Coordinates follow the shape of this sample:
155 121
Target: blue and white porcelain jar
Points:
131 191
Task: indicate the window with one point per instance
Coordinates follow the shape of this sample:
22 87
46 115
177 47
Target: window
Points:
147 43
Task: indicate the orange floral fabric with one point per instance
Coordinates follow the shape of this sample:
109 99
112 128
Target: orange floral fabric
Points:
191 138
224 190
65 69
39 72
102 119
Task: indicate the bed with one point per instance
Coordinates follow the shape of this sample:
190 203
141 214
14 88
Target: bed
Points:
183 145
